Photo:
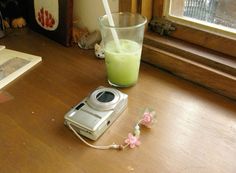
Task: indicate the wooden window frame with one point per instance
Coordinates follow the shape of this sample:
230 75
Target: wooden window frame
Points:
209 61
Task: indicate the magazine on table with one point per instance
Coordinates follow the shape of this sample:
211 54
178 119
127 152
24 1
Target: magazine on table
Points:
14 63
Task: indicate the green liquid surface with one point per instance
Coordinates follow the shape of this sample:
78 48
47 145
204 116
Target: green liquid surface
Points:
123 65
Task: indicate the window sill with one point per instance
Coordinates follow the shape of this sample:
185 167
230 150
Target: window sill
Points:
208 68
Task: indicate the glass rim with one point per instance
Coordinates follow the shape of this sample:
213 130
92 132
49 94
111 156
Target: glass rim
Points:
123 27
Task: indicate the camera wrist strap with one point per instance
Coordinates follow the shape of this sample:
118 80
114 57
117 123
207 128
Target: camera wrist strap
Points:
101 147
147 120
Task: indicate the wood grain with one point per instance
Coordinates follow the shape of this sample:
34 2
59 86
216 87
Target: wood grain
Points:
158 6
125 5
206 39
193 52
204 75
195 131
208 68
146 9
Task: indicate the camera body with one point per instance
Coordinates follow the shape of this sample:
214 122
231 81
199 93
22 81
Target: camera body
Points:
93 115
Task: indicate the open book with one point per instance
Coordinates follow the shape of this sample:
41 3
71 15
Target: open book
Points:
14 63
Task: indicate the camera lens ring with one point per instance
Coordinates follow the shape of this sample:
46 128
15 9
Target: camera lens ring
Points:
109 103
105 96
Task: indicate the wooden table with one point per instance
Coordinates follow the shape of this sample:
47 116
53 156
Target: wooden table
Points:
195 131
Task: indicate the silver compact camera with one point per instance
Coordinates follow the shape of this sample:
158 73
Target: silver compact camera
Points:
93 115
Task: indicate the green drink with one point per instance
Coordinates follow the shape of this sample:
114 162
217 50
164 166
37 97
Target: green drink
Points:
123 42
123 65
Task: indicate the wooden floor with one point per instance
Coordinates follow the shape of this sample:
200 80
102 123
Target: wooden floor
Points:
195 131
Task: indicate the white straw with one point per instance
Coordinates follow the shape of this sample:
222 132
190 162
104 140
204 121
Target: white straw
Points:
111 23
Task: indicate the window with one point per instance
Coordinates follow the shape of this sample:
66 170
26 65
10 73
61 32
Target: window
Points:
212 22
203 46
211 15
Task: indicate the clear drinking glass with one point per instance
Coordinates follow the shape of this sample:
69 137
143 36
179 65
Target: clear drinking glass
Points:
123 60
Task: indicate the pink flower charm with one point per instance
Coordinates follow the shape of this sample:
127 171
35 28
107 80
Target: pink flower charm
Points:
132 141
148 118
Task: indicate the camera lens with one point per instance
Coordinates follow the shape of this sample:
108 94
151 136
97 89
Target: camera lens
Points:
105 96
104 99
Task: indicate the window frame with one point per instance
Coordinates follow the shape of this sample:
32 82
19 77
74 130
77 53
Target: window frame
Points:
199 37
177 17
202 38
201 57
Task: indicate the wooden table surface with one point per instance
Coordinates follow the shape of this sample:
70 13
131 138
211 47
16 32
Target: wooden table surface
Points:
195 131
